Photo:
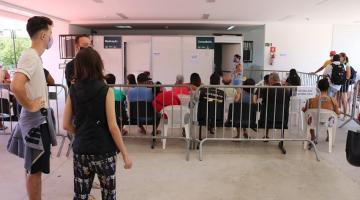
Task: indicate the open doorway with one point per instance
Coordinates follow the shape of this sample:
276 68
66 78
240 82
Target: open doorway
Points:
224 56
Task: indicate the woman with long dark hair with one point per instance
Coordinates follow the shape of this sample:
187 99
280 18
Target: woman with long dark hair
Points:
90 115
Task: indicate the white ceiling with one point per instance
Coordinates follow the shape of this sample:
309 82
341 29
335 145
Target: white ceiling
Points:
241 11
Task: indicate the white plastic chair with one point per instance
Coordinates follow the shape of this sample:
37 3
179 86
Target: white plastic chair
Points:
327 120
184 99
296 116
177 117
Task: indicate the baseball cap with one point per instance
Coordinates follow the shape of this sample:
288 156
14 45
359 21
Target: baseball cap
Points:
332 53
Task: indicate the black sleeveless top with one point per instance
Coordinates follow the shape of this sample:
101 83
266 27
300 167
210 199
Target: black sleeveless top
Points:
92 135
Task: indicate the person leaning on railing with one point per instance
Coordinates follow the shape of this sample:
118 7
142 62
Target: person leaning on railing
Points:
326 102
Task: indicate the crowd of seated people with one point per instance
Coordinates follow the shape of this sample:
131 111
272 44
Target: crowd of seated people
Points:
269 100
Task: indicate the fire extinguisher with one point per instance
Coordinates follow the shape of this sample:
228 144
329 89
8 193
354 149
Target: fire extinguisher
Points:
272 55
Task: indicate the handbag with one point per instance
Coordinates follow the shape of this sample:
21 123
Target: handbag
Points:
353 148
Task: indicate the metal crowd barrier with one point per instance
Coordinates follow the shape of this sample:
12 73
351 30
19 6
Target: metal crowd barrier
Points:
307 79
162 109
8 109
354 106
57 99
259 108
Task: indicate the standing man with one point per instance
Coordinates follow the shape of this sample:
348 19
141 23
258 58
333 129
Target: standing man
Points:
81 41
30 89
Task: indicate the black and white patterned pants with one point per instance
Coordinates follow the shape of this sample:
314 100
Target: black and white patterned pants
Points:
85 168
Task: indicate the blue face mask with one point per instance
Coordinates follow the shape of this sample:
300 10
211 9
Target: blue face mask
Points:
50 43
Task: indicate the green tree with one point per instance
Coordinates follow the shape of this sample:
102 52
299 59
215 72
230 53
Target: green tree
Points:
7 56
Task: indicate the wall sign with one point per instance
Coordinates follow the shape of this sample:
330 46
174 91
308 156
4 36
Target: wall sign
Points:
205 42
112 42
306 92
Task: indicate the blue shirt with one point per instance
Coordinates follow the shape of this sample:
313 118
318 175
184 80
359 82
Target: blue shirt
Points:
140 94
237 79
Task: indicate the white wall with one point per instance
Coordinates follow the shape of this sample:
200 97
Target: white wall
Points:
200 61
228 52
112 58
346 39
51 58
301 46
258 37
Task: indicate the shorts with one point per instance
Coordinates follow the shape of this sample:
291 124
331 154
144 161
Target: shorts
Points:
43 163
345 87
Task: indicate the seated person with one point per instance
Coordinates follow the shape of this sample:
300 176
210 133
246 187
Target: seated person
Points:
247 96
273 99
120 98
293 79
212 95
178 89
229 92
195 81
327 102
165 98
143 94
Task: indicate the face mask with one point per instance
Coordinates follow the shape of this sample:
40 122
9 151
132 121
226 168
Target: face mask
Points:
50 43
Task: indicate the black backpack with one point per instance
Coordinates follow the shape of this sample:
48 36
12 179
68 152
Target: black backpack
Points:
338 76
352 76
353 148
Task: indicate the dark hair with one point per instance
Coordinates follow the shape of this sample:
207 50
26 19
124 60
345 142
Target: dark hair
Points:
336 57
237 56
110 78
88 65
293 78
249 81
266 78
158 88
342 54
77 38
195 79
215 79
323 85
131 79
147 73
36 24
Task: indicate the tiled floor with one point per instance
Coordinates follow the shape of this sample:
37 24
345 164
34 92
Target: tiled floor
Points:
230 170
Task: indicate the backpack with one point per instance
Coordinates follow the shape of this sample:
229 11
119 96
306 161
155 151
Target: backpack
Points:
338 76
352 76
353 148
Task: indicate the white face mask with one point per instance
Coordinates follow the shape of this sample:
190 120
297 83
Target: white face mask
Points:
50 43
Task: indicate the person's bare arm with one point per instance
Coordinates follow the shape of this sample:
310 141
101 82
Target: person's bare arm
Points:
50 80
17 86
67 120
320 69
114 128
348 72
336 106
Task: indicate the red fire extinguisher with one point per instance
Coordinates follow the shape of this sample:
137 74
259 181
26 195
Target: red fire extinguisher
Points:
272 55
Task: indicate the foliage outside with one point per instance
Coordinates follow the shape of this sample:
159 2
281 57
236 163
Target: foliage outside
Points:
7 56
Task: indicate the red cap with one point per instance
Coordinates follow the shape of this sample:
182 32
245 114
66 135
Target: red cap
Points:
332 53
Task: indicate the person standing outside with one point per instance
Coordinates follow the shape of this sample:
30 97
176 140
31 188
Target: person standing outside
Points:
30 89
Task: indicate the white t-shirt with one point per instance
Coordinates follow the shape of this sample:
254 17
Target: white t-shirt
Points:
30 64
